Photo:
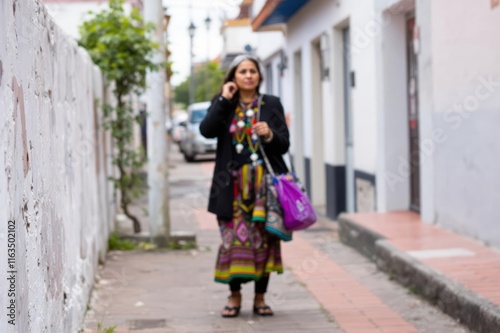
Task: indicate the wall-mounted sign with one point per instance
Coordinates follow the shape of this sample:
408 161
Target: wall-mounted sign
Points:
494 3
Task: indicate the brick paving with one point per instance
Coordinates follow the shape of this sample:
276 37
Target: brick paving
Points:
475 266
355 308
326 287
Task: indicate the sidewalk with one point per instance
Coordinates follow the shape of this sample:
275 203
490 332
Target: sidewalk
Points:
173 290
458 274
326 287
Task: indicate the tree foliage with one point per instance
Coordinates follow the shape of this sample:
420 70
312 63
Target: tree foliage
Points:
119 45
208 81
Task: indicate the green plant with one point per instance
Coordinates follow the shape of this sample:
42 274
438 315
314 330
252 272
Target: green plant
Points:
182 245
116 243
119 45
100 329
412 290
146 246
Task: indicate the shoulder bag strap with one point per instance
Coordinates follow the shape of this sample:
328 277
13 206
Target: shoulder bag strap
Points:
264 155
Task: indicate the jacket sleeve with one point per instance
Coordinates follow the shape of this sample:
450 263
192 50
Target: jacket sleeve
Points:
216 119
281 137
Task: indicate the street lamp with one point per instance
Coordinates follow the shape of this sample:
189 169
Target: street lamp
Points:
191 29
207 24
207 83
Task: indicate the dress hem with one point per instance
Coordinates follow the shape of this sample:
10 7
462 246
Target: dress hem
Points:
245 276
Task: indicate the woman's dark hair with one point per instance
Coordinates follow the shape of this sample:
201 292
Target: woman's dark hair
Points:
232 72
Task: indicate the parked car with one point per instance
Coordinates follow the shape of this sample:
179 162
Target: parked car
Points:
193 143
178 126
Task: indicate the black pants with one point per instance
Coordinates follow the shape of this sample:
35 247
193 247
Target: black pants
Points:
260 285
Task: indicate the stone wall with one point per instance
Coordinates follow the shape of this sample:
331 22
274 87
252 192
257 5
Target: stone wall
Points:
54 166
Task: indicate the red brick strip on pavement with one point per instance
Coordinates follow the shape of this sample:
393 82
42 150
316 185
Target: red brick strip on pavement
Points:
352 305
354 308
479 271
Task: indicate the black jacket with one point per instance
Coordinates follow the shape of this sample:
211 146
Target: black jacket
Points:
216 124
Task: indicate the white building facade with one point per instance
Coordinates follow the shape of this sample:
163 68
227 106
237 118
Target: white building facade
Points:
238 37
393 105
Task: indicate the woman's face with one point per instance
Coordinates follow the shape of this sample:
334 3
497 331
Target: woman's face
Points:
247 76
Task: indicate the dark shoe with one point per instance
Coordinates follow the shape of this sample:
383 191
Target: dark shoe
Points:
234 311
262 310
230 309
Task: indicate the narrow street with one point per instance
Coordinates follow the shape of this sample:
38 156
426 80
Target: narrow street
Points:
388 110
326 287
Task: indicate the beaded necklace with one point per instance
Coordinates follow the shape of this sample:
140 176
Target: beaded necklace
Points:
241 128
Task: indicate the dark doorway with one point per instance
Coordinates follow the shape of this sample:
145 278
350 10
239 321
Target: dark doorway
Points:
411 31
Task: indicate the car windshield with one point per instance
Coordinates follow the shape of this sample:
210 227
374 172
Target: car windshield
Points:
198 115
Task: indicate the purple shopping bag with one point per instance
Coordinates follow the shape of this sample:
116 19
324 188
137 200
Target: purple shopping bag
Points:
298 212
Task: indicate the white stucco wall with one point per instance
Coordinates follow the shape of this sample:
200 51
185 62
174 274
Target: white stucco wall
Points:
321 17
324 137
466 108
426 106
364 94
316 17
393 175
269 46
269 43
378 99
236 37
459 102
257 5
277 80
53 171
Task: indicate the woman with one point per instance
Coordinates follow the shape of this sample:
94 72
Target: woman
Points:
237 195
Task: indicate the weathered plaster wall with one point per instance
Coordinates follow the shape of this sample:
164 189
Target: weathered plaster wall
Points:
54 166
466 105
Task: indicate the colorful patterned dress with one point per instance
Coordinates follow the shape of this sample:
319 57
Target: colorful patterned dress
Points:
248 251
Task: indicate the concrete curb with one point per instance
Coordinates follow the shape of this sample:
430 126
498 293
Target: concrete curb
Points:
460 303
176 237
